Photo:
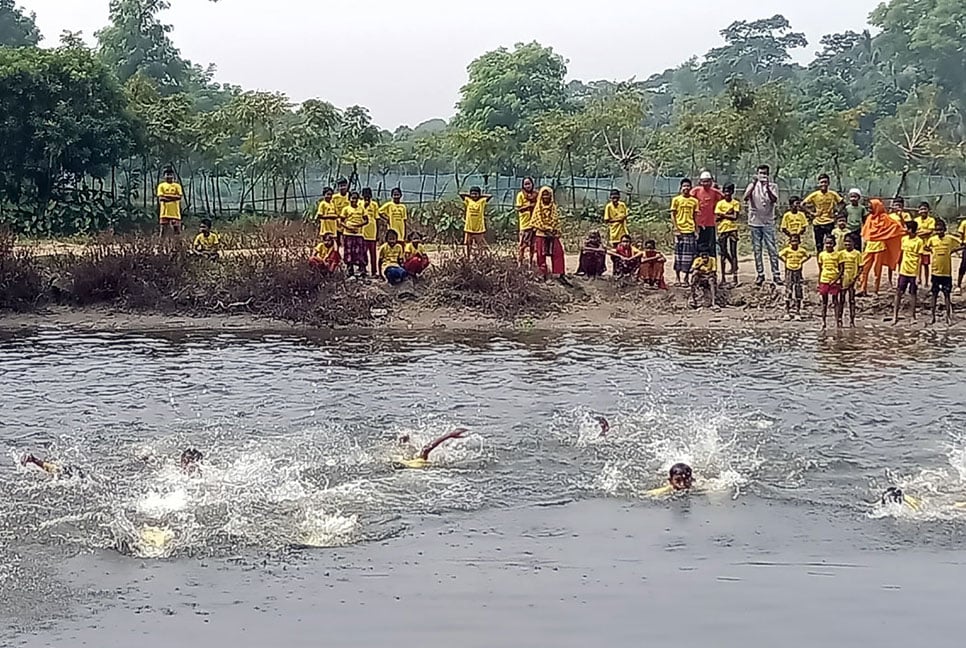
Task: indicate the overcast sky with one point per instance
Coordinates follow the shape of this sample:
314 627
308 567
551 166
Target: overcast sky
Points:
406 59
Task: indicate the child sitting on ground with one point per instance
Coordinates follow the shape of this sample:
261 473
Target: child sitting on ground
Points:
593 257
326 256
652 266
626 258
416 258
207 242
391 259
704 275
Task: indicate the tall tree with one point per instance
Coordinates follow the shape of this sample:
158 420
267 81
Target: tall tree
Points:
17 28
136 41
758 51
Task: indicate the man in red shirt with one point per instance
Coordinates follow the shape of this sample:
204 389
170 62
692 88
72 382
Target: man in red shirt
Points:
708 198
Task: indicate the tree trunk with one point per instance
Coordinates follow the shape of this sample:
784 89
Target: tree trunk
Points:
573 189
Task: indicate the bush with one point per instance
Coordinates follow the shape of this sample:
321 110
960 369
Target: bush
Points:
21 280
492 284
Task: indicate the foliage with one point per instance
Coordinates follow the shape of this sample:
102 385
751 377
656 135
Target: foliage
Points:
21 279
17 29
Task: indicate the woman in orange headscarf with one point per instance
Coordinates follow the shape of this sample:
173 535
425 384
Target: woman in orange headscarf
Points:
546 231
883 244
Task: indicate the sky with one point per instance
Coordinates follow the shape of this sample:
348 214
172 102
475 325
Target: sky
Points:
406 60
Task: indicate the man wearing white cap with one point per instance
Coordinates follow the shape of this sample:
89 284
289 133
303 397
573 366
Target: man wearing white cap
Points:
855 213
708 198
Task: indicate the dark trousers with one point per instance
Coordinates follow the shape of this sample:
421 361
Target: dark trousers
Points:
822 231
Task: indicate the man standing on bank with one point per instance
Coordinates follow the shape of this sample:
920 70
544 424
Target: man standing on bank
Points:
762 197
708 198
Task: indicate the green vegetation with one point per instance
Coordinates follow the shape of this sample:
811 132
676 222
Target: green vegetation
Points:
86 132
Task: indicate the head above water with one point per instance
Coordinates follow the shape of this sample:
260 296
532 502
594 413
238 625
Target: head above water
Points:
893 495
680 477
190 459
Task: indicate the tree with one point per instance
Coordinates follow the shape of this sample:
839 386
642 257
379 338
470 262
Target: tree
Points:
135 42
17 29
758 51
510 89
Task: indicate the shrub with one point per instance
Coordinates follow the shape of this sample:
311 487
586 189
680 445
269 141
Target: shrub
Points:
21 280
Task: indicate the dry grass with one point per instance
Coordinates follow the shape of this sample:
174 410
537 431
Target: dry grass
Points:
22 282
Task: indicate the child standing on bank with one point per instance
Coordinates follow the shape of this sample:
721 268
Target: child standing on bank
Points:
726 212
851 260
794 257
840 233
370 230
327 215
795 220
354 218
474 226
395 213
683 208
615 217
830 280
941 247
927 227
912 247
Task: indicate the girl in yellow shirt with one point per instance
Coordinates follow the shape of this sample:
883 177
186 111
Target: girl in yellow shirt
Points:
354 218
370 230
546 232
926 227
474 227
525 202
396 214
683 208
327 215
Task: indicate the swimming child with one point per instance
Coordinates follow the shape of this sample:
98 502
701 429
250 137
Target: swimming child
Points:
794 257
680 478
421 460
52 468
191 460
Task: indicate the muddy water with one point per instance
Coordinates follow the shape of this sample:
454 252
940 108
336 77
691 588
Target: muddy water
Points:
533 530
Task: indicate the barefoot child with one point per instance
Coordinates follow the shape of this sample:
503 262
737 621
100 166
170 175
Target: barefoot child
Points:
326 256
626 258
726 212
395 214
794 257
941 247
851 260
683 208
927 227
206 244
391 259
546 233
416 258
370 231
912 247
652 266
615 217
525 202
327 215
829 280
593 257
474 226
354 218
340 200
705 275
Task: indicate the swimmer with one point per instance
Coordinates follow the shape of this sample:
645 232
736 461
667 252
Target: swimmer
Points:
53 469
604 425
894 495
190 461
422 459
680 478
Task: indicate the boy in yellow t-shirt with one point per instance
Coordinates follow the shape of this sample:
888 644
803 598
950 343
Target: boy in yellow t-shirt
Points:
327 214
370 230
726 213
395 213
169 196
830 280
704 275
851 259
474 227
207 242
795 221
912 247
841 232
822 203
927 226
961 234
941 247
340 200
794 257
683 208
391 259
615 217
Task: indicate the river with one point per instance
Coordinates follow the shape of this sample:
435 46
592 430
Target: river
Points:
535 529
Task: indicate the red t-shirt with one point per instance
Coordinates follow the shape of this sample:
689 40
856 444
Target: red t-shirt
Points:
707 200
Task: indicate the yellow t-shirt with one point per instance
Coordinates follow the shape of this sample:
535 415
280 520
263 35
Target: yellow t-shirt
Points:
824 204
475 216
397 215
524 201
389 255
323 251
794 259
370 229
927 225
962 230
839 235
942 250
704 265
616 218
794 222
682 213
207 243
912 247
901 217
412 250
724 208
340 202
170 190
354 219
829 263
328 218
851 261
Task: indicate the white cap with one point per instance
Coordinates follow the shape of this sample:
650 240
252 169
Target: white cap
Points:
855 192
706 175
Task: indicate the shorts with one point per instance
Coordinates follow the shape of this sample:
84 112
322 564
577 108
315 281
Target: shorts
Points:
793 284
474 238
907 283
832 289
942 285
526 239
925 259
173 222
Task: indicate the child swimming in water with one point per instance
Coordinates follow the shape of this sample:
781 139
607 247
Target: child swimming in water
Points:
680 478
52 468
421 460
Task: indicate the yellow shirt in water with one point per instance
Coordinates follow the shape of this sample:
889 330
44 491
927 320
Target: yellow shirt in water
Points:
727 208
707 266
839 235
794 222
525 209
390 255
475 216
927 225
683 209
942 250
912 247
171 209
208 243
328 218
851 260
354 219
829 263
794 259
824 204
397 215
370 229
615 216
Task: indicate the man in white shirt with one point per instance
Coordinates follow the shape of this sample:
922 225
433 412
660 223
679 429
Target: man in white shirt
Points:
762 198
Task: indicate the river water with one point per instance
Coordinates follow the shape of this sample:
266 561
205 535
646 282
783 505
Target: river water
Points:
533 530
